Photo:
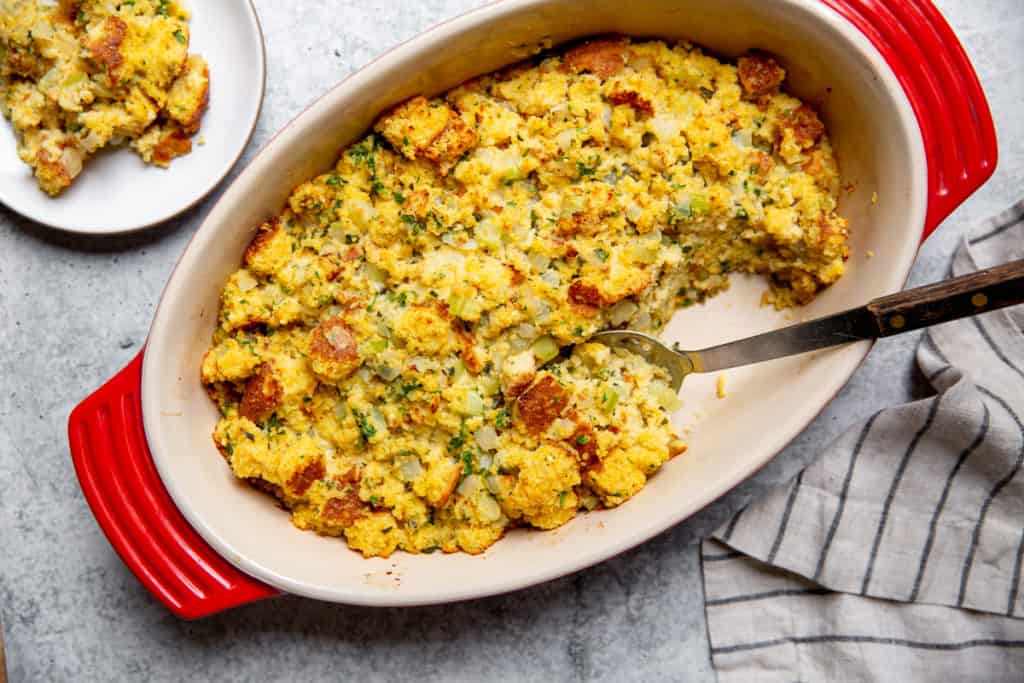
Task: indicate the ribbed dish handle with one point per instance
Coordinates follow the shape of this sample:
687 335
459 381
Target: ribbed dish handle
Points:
121 485
956 124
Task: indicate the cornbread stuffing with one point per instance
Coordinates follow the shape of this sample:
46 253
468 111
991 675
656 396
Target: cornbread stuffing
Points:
77 76
393 360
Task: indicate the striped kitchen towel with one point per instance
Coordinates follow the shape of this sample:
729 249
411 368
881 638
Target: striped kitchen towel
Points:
897 555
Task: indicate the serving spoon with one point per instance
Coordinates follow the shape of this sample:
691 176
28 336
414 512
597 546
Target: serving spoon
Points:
959 297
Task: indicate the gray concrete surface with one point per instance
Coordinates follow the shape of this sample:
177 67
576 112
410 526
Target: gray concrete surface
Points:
73 311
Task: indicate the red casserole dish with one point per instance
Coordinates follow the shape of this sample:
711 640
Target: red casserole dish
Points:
144 481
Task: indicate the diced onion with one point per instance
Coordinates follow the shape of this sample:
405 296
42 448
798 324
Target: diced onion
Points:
246 282
473 404
386 372
526 331
551 277
485 460
377 418
411 469
469 486
458 370
622 312
363 211
488 233
72 161
565 138
742 139
540 262
563 427
665 127
489 509
487 438
493 485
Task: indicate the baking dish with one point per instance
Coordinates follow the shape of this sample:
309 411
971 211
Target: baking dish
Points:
912 130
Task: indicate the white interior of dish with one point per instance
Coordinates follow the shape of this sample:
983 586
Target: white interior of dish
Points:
116 191
879 147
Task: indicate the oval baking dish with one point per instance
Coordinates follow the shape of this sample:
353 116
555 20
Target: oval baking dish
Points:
914 138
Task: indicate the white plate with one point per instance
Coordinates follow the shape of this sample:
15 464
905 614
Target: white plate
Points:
116 191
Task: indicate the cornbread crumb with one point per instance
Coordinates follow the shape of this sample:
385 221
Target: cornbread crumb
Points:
390 359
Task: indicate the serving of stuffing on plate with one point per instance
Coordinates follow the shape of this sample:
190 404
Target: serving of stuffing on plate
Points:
78 76
393 360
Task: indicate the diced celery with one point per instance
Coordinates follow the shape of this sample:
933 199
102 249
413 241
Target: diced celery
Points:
456 304
664 395
545 348
699 203
646 251
609 399
464 308
376 275
489 385
373 346
458 370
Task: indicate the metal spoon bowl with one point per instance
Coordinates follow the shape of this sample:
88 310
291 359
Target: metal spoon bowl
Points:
985 290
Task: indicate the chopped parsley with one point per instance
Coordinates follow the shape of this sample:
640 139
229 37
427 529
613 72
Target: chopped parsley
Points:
336 180
585 170
366 430
362 154
415 226
601 254
707 93
459 440
180 37
502 419
582 440
467 463
409 387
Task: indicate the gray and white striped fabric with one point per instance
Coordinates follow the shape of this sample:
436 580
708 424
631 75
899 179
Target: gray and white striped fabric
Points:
897 555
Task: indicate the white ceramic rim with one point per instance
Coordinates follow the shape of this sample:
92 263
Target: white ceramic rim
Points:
206 238
6 200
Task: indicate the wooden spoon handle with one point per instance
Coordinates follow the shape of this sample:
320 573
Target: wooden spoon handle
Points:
985 290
